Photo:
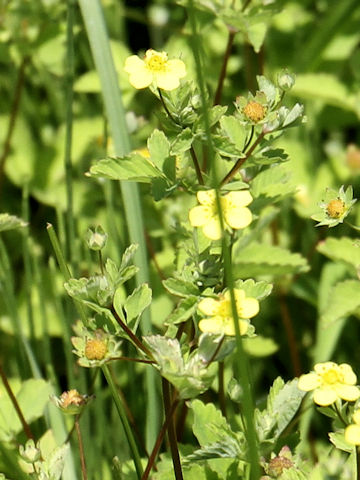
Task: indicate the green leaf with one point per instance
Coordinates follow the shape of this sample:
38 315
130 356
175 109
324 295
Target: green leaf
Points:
226 147
338 439
273 182
343 301
209 424
260 346
184 310
325 87
344 249
179 287
56 461
132 167
234 129
10 222
271 92
32 397
257 258
283 402
182 142
159 148
136 303
259 290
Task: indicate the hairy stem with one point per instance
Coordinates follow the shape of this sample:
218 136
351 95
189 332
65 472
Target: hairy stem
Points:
171 430
81 449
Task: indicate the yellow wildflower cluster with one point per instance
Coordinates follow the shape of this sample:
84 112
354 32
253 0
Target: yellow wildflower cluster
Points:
219 313
236 215
330 382
155 69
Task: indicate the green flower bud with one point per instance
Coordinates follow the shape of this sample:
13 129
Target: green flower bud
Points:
96 240
285 80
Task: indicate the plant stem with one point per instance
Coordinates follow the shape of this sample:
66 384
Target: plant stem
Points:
241 161
171 430
81 448
160 437
16 405
230 42
13 115
357 463
196 165
69 94
122 414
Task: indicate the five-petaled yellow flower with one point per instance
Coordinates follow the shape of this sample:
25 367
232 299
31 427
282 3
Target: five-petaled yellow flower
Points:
352 432
234 209
219 313
330 382
156 69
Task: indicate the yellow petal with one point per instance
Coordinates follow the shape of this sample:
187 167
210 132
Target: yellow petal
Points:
248 308
166 80
238 199
349 375
207 197
325 396
356 417
176 67
352 434
200 215
229 327
308 382
349 393
209 306
133 64
237 217
212 325
323 367
212 229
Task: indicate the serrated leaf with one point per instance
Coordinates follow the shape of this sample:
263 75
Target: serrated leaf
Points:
256 259
136 303
179 287
259 290
209 424
283 402
233 128
273 182
133 167
266 86
184 310
55 463
344 249
343 301
226 147
10 222
182 142
293 474
159 148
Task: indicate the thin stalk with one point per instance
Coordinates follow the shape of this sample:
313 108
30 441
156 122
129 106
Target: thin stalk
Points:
16 405
241 161
241 357
122 414
222 399
196 165
19 86
99 43
64 268
230 42
69 96
160 438
357 473
171 430
81 448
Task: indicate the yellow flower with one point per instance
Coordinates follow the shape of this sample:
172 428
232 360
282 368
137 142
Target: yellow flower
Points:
352 432
219 311
330 382
234 210
155 68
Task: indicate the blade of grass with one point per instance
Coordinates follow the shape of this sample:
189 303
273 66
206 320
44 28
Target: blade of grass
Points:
241 359
99 42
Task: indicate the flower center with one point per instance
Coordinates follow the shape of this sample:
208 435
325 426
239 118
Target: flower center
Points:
156 61
335 208
254 111
332 376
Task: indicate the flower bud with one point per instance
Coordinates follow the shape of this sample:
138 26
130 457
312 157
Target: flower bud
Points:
277 465
30 453
96 240
285 80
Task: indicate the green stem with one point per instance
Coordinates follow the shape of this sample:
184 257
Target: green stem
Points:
122 414
69 94
100 46
81 448
171 430
16 405
219 89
